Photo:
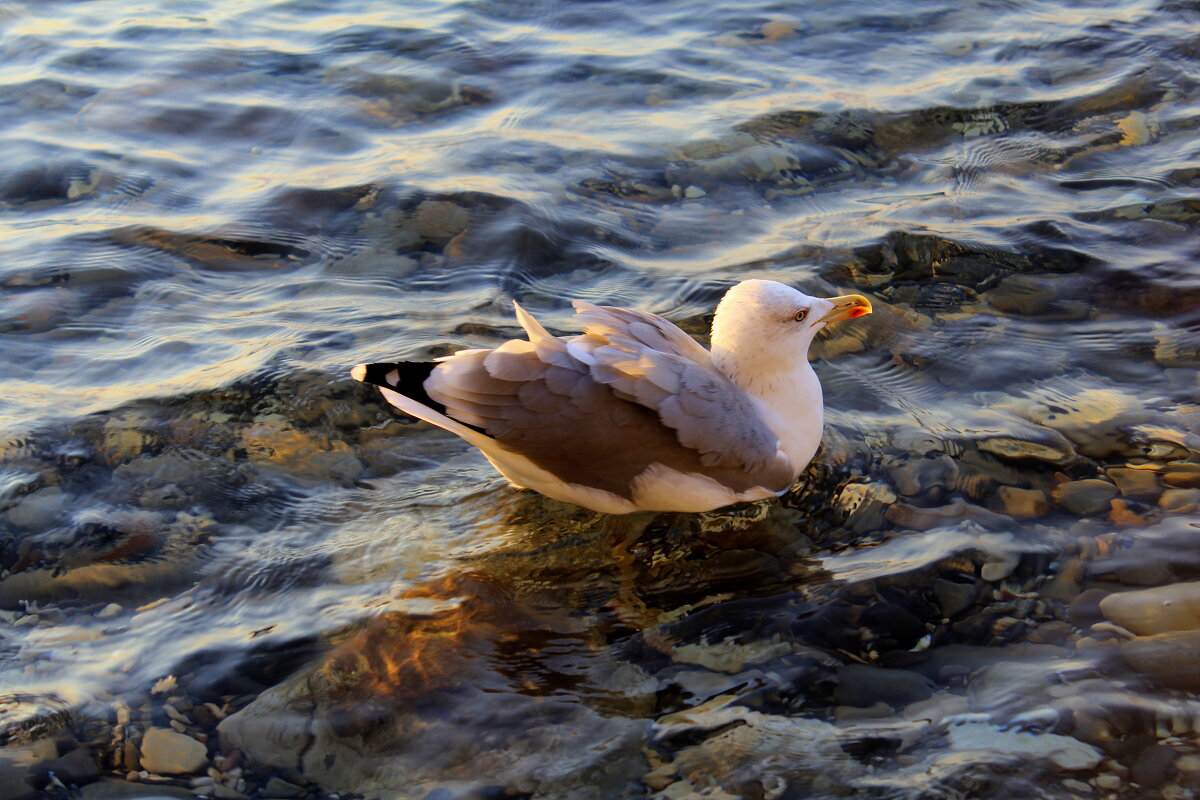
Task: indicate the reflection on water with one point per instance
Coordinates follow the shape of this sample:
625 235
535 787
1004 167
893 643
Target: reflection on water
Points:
226 570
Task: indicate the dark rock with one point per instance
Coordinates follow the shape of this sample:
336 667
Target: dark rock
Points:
1136 484
862 686
1171 658
1154 766
1086 498
1039 296
954 597
76 767
279 788
1084 610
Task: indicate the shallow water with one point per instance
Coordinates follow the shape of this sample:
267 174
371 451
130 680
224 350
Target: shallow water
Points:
210 210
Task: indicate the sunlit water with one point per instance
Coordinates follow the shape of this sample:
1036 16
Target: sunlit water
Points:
210 210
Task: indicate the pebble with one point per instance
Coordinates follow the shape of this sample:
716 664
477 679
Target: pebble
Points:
1054 450
1000 567
1123 515
169 752
954 597
1176 475
1023 503
439 221
1171 658
862 686
1179 501
279 788
1087 498
1136 484
109 611
1154 766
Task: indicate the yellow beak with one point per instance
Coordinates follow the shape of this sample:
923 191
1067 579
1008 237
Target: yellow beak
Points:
848 306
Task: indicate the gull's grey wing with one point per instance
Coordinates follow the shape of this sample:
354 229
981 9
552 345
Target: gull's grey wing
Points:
650 361
646 329
597 409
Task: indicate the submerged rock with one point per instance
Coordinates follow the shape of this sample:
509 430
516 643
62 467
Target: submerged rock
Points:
168 752
1171 658
1149 611
1088 498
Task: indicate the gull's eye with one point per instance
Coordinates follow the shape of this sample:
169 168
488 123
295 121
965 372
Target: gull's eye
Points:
800 315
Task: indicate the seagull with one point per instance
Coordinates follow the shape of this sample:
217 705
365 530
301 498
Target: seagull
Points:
633 414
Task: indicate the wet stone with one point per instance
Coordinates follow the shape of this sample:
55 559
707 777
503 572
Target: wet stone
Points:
1054 449
1042 297
1170 658
439 221
76 767
1154 766
954 597
168 752
1166 608
1180 501
1136 484
862 686
1088 498
1084 609
1184 476
1023 503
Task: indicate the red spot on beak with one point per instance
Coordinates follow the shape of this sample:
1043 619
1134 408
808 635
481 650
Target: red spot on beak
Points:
857 312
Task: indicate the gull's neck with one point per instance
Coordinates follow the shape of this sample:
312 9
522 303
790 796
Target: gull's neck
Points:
790 398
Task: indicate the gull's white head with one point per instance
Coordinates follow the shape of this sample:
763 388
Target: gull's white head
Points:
766 327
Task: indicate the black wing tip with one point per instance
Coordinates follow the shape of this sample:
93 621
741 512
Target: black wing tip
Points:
382 374
406 377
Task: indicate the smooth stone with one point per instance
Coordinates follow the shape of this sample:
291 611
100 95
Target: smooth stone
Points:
1084 610
1123 515
440 220
1154 766
1136 484
76 767
276 728
1179 501
168 752
1172 658
279 788
1182 476
1023 503
109 611
1000 567
954 597
1175 607
1037 296
923 519
1087 498
862 686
